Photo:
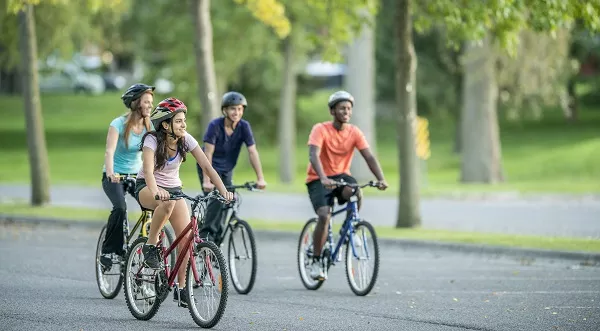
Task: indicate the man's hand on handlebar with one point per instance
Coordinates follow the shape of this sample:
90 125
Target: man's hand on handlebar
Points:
260 184
382 185
207 186
329 183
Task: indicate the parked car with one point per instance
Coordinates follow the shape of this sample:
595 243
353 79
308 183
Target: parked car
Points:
68 77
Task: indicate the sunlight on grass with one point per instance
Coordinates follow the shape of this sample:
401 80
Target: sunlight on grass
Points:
548 156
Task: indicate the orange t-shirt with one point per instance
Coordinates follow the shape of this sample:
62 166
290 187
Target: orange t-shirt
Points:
337 148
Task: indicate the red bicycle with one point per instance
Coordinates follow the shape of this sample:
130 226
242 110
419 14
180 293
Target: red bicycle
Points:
206 277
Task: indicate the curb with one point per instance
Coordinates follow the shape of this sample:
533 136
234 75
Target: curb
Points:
587 257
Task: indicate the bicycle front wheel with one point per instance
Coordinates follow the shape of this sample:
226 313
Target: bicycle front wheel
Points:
207 295
140 283
362 258
242 257
109 279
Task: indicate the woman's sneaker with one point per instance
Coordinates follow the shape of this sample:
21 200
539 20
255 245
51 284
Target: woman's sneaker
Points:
151 256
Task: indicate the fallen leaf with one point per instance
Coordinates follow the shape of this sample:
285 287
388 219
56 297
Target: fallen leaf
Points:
301 318
455 299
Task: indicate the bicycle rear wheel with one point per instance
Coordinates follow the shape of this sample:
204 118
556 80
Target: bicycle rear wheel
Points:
140 283
305 257
109 280
242 257
362 258
212 289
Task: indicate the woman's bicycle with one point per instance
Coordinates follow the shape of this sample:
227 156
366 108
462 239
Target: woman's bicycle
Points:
206 278
110 277
353 234
241 252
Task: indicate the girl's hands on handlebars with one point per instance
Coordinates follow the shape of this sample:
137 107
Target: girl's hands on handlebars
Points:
162 194
227 195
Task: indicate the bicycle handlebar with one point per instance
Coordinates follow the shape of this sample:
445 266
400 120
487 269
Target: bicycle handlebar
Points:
250 186
212 195
371 183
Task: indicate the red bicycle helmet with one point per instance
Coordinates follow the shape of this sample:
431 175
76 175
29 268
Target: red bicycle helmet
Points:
165 110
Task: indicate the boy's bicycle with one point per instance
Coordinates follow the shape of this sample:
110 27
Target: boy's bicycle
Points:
110 279
242 245
206 278
353 234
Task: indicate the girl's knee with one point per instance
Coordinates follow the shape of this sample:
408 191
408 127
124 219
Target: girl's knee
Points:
167 205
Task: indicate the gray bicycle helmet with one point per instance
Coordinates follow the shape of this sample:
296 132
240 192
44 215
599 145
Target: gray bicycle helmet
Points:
134 92
339 96
233 99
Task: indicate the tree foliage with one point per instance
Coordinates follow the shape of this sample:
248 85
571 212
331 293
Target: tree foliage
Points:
504 19
61 25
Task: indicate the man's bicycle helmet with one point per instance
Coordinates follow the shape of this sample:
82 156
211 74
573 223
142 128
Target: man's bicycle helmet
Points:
134 92
339 96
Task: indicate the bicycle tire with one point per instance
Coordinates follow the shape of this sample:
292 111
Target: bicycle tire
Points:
304 277
199 320
137 244
99 274
349 255
232 268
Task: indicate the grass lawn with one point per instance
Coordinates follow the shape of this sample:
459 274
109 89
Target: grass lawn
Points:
549 156
553 243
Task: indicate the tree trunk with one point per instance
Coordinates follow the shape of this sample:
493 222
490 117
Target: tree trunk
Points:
360 82
409 214
481 152
205 64
287 115
36 140
457 114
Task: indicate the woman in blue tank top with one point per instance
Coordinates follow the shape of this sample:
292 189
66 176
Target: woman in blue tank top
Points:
123 157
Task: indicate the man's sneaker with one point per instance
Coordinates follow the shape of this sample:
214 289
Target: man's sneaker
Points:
106 261
180 296
151 256
316 271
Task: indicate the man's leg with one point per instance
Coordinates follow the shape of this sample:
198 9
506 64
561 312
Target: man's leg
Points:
212 219
322 206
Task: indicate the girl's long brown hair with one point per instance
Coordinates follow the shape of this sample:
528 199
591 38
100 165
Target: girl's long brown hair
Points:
162 150
135 106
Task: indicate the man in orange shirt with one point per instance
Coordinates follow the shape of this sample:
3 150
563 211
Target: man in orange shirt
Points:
331 147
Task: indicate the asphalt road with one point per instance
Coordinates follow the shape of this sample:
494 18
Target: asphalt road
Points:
47 283
547 216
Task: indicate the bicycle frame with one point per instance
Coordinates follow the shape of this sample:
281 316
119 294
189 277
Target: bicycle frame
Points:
188 248
346 231
141 223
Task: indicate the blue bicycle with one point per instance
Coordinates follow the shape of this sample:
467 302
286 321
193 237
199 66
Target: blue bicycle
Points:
353 240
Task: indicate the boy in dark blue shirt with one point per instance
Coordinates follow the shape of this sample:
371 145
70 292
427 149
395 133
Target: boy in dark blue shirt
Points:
222 145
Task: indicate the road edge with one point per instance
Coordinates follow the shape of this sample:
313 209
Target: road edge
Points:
520 252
